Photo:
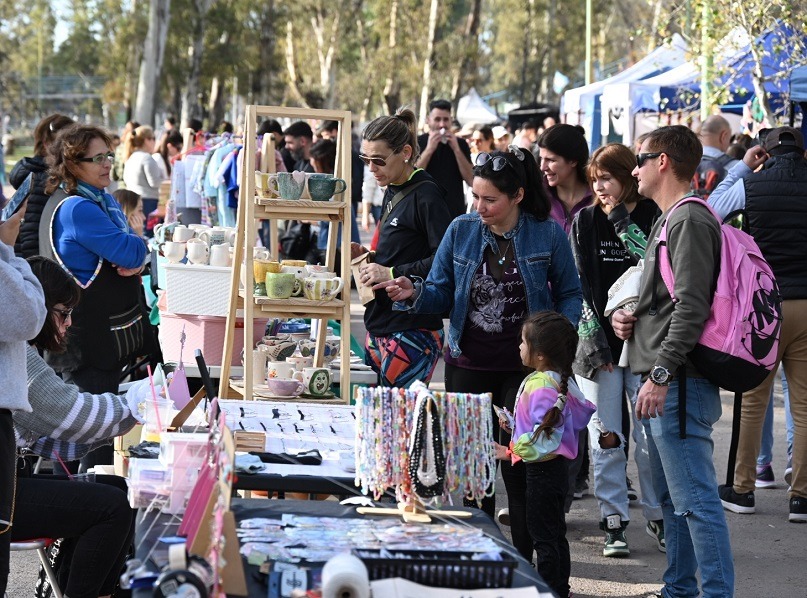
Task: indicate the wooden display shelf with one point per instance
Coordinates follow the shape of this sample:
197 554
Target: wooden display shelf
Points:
332 400
299 209
298 307
252 207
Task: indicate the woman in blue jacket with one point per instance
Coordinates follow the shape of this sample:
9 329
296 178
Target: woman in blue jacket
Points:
91 240
494 268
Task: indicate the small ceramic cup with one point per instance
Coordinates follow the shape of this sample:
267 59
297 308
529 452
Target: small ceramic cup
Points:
316 381
280 285
285 387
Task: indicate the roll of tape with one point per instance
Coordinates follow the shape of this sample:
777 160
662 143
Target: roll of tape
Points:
177 558
345 576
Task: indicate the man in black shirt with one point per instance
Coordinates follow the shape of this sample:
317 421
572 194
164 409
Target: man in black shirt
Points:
299 139
445 156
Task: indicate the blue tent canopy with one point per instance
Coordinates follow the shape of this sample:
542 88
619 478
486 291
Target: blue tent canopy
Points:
780 47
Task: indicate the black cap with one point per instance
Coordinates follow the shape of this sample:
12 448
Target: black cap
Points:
784 136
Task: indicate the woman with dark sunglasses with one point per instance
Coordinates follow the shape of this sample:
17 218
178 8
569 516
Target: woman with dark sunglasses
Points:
401 347
91 240
493 269
94 519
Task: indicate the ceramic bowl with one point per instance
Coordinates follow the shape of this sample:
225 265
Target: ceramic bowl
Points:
284 387
332 346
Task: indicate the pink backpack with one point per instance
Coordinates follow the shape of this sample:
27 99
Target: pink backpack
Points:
739 343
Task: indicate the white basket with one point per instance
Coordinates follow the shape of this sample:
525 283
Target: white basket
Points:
198 290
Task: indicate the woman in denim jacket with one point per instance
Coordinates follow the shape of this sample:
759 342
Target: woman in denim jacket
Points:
494 268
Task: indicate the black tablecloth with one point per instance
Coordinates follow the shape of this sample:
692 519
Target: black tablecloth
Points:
152 526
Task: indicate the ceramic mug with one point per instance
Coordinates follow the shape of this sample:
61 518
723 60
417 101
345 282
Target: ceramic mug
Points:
322 289
300 362
279 369
288 185
299 275
220 255
198 251
261 253
279 285
173 251
317 381
182 233
314 268
322 187
263 184
217 235
198 228
295 263
260 268
164 232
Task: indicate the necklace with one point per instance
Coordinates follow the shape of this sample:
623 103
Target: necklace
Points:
503 255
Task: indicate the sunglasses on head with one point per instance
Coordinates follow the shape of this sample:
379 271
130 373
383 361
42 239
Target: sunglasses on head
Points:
498 163
99 159
642 158
377 161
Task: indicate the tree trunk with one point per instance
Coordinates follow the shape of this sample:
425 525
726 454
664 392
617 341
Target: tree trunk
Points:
266 53
427 61
215 105
758 78
326 49
292 67
152 62
470 54
392 88
190 103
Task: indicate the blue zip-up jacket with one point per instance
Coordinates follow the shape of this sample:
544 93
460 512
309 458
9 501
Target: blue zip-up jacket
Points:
544 259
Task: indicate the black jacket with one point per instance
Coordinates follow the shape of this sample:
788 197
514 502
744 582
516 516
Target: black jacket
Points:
598 344
408 241
28 240
776 205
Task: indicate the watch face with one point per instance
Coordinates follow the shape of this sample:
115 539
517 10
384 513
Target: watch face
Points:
659 375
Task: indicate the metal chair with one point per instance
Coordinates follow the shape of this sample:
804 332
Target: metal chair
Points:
40 544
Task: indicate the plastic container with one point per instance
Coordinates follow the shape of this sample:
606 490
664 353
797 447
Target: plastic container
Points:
205 333
198 289
159 413
181 450
148 471
440 569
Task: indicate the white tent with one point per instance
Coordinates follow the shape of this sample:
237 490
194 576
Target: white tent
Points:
581 105
473 109
621 101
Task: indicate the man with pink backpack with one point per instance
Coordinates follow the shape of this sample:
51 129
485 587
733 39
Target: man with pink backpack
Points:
774 201
677 403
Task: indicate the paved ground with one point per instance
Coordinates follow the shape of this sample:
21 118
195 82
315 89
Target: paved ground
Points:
768 550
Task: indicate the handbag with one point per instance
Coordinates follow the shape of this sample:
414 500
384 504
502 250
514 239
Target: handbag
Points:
297 240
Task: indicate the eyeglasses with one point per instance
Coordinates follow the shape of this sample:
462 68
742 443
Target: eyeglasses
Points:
99 159
377 161
642 158
64 313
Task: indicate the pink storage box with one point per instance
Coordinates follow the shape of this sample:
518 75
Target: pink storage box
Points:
205 333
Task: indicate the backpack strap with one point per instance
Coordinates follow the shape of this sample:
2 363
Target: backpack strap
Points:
46 222
735 438
396 199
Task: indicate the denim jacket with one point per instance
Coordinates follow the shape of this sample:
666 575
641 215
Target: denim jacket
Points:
544 260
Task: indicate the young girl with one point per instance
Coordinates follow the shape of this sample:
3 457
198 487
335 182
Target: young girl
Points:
549 413
132 206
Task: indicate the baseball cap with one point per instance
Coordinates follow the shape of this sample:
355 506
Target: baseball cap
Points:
499 132
784 136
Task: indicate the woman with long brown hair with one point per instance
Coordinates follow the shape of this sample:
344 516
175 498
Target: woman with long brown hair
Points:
608 237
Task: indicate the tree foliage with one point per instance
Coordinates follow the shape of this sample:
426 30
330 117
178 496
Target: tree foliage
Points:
368 56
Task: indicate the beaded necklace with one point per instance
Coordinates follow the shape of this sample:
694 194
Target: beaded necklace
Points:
387 418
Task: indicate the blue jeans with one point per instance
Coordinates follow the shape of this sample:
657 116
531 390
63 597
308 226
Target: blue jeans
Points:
606 390
695 528
766 448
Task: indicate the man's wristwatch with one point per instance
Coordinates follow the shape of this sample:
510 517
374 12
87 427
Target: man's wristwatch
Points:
660 376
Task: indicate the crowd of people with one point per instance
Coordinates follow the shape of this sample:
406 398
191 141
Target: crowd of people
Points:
521 240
